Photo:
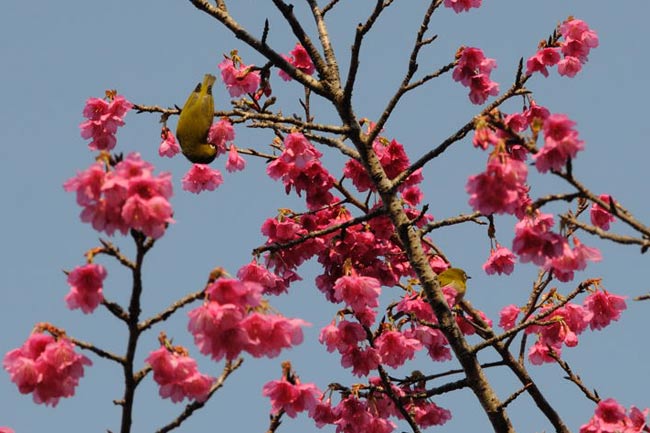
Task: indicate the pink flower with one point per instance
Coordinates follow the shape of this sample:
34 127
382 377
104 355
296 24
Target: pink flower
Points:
242 294
362 360
572 259
128 197
610 417
560 143
473 71
395 348
220 134
300 168
268 334
501 188
272 284
291 397
569 66
548 56
217 330
534 242
235 161
427 414
342 337
433 340
103 120
484 136
600 217
357 292
46 367
579 39
462 5
501 261
605 307
168 146
539 353
6 430
178 376
86 291
239 79
508 316
300 60
201 177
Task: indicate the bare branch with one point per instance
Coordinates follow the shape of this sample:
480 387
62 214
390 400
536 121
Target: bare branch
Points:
96 350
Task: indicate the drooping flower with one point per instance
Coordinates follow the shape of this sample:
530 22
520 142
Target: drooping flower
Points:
601 217
168 146
473 71
561 143
86 291
47 367
605 307
178 376
300 60
201 177
239 79
220 134
462 5
291 397
103 120
501 261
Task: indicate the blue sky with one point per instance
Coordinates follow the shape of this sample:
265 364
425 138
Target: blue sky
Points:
57 54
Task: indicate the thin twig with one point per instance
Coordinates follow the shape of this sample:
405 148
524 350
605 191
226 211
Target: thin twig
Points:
96 350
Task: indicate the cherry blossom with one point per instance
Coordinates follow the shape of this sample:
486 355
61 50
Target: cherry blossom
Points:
86 291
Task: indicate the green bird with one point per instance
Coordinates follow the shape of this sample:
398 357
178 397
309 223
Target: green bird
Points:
456 278
195 121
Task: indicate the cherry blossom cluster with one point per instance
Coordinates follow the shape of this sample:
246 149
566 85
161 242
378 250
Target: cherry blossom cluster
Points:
45 366
86 287
124 197
366 410
238 77
578 41
473 70
601 217
232 320
104 117
300 60
611 417
300 168
564 324
502 188
177 374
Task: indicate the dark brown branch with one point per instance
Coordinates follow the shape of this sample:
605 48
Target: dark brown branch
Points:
96 350
620 239
572 377
474 217
112 250
163 315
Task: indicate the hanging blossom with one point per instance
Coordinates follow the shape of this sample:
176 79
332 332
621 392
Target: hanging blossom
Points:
272 284
611 417
104 117
290 395
220 134
508 316
501 188
473 71
535 242
86 291
501 261
45 366
563 326
462 5
601 217
239 78
561 143
177 375
300 168
578 41
300 60
168 146
572 259
200 177
126 197
229 323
